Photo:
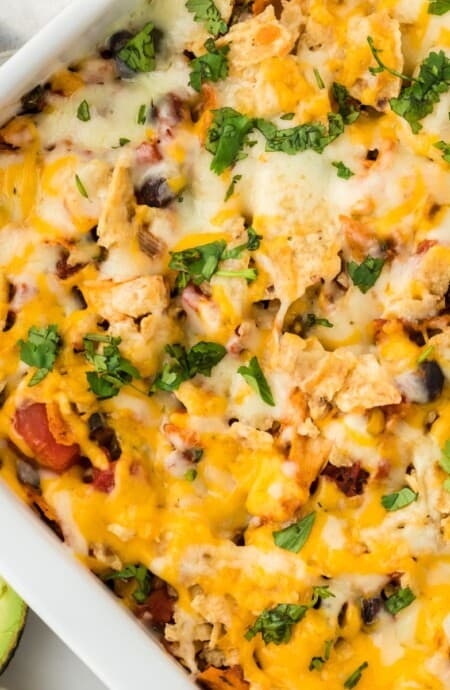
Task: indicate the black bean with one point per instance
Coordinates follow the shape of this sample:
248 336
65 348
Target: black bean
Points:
433 378
104 435
34 101
155 192
370 609
372 155
28 474
116 43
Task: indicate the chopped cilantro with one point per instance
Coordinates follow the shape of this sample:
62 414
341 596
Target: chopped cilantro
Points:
40 350
275 625
346 104
399 499
288 116
417 100
227 136
252 244
81 188
83 112
425 354
365 275
294 537
142 115
112 371
311 320
319 80
122 142
320 592
292 140
140 574
255 378
445 148
354 678
199 264
438 6
139 52
342 170
230 190
317 662
206 11
212 66
185 364
400 600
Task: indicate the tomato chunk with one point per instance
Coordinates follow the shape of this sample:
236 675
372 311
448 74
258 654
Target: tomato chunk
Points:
105 480
31 422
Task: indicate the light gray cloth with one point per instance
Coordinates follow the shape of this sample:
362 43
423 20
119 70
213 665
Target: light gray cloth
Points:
20 19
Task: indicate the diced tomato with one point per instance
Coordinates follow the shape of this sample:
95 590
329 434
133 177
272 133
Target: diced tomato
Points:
148 152
158 607
31 422
105 480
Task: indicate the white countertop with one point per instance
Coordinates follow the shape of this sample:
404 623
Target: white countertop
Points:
42 661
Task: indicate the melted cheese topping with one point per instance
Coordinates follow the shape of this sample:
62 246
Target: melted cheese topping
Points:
337 391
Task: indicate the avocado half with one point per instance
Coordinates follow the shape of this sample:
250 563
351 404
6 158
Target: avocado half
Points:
13 613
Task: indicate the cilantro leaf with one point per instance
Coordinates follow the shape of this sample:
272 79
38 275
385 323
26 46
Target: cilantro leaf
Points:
112 371
317 662
255 378
253 243
226 138
142 115
197 264
294 537
438 7
346 104
342 170
81 188
292 140
140 574
365 275
206 11
200 359
399 499
230 190
425 354
320 592
445 148
417 100
212 66
444 462
200 264
400 600
311 320
275 625
355 677
319 80
139 53
83 112
40 350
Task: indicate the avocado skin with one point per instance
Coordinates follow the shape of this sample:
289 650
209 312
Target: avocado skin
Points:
13 614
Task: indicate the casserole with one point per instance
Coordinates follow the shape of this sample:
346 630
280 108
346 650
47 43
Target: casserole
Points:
225 348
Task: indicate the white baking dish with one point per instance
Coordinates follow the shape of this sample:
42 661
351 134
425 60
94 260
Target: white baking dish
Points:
61 591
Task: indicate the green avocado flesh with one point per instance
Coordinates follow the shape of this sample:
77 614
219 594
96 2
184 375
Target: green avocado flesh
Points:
13 612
